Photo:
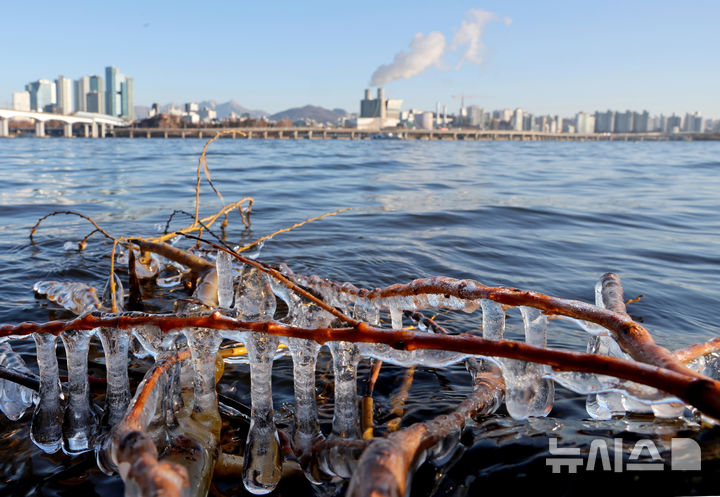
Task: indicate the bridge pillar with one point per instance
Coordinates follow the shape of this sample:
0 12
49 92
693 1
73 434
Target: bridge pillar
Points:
86 130
94 130
102 130
309 134
4 127
147 134
67 128
39 128
249 134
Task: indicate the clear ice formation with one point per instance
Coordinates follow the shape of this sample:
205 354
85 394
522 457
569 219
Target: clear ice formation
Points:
46 428
115 343
74 296
223 264
611 403
250 294
346 422
79 424
262 467
527 393
14 399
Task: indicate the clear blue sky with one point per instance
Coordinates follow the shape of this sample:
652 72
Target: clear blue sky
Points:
554 57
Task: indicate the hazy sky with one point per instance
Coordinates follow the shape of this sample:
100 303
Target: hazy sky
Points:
546 57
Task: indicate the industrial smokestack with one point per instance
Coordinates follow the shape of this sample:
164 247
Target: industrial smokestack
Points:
368 94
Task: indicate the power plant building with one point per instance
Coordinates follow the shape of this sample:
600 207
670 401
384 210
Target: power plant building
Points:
380 112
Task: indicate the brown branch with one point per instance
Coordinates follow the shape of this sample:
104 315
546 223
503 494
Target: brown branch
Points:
195 263
33 230
694 389
700 349
631 336
296 225
202 165
384 467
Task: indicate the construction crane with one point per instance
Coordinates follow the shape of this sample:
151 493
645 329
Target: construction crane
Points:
462 98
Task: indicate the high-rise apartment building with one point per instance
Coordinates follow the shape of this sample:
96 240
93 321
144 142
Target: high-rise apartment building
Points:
42 95
517 120
21 100
118 94
81 88
64 95
624 122
605 122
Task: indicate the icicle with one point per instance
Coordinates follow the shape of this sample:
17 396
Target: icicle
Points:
345 417
115 343
493 320
263 461
223 263
204 344
46 430
79 423
527 393
14 399
307 429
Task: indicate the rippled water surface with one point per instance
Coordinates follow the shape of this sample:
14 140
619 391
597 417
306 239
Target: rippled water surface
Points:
549 216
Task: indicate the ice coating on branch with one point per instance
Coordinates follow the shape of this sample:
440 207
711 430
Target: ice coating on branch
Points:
420 357
153 340
346 357
591 383
14 399
146 265
79 424
605 405
46 429
254 299
115 343
262 467
223 264
74 296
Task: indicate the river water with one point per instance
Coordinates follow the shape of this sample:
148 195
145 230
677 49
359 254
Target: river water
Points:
549 216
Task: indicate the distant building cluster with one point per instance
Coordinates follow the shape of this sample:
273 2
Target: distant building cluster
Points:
112 95
382 112
192 113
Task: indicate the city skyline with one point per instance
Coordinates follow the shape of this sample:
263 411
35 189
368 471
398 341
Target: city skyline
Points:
558 60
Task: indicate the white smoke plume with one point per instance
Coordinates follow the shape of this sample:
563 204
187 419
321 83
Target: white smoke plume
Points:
425 51
470 34
428 50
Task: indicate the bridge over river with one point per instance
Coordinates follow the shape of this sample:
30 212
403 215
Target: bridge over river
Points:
94 125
